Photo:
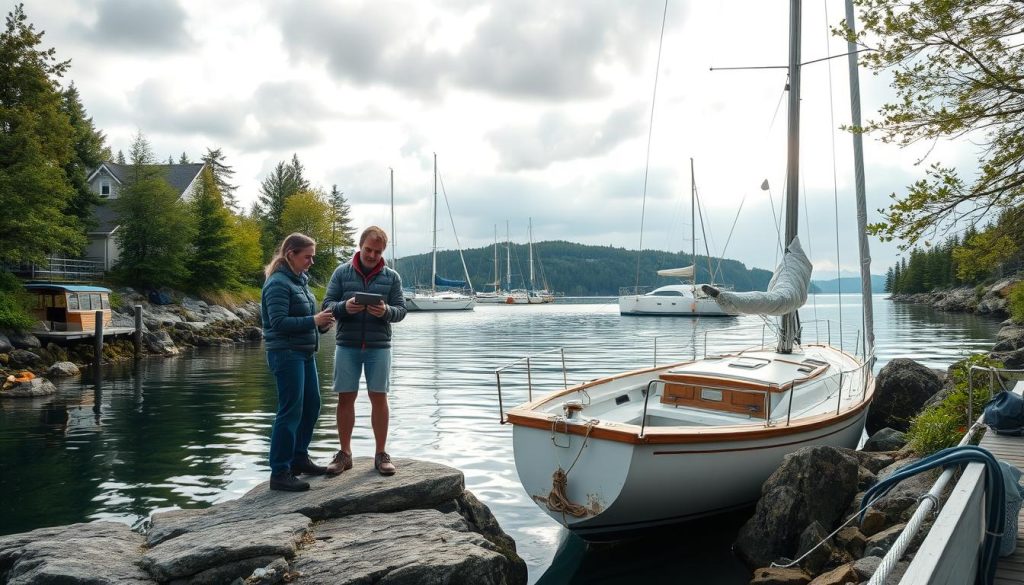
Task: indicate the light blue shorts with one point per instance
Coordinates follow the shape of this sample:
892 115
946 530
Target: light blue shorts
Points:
350 362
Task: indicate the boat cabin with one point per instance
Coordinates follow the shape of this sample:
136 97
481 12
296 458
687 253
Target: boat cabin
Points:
68 307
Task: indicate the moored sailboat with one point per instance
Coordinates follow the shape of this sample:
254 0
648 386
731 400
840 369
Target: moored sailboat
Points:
637 449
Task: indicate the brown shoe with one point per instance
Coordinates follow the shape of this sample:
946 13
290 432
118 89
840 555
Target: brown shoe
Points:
382 463
341 462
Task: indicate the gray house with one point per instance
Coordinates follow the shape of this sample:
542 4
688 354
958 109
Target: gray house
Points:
107 180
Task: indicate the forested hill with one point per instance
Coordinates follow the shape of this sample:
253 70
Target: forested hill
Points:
576 269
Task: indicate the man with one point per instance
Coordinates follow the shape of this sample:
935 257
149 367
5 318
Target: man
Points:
364 343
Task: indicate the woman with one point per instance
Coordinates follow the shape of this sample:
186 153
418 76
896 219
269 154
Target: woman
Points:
291 335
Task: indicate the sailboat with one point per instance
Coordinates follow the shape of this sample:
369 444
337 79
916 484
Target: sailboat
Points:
664 444
434 299
534 295
676 299
508 296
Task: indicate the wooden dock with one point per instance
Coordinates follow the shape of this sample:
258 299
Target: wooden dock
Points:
1011 450
59 336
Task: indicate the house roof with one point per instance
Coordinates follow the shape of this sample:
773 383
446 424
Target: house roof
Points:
66 287
179 177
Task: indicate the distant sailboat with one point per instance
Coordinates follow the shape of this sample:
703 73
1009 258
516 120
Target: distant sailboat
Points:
433 299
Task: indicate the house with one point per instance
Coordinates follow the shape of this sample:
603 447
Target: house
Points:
107 180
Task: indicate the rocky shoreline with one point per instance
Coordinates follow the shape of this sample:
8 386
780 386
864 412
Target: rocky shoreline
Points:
166 330
418 526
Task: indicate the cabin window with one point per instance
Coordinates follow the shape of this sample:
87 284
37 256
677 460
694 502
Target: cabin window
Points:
709 394
106 302
59 301
85 302
667 293
73 302
105 188
97 304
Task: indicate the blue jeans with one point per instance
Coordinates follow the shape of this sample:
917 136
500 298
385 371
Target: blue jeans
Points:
298 406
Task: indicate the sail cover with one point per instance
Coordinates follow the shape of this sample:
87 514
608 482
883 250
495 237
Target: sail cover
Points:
686 272
787 290
446 282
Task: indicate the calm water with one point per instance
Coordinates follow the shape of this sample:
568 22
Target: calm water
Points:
190 431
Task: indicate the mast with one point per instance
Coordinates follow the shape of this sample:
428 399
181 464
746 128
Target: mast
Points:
693 230
508 258
532 287
862 214
497 274
394 262
433 247
789 321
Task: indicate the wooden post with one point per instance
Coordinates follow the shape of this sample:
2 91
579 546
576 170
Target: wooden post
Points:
137 337
98 342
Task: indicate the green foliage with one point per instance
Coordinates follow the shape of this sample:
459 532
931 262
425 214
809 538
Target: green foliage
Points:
943 424
15 304
156 230
222 173
211 266
342 233
956 69
309 213
35 147
1016 303
284 181
89 151
246 254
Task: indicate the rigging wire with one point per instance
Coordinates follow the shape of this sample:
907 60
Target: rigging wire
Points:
835 179
650 133
455 233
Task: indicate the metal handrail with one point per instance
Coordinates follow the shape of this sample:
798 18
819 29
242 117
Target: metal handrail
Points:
991 378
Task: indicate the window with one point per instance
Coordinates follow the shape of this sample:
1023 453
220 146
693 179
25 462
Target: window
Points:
96 303
106 302
104 188
85 302
73 302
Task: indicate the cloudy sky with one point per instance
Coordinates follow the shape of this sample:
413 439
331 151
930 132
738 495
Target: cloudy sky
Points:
536 109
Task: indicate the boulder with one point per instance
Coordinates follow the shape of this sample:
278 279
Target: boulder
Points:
873 461
852 540
97 552
62 370
253 334
780 576
22 358
812 484
5 343
1013 360
33 388
866 567
159 342
24 340
814 543
878 544
839 576
885 440
901 389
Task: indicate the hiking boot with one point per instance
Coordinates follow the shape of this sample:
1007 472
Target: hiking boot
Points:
286 482
341 462
382 463
303 464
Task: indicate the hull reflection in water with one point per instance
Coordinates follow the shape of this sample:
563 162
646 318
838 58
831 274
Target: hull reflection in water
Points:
697 552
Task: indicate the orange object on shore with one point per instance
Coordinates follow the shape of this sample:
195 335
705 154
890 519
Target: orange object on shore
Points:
20 377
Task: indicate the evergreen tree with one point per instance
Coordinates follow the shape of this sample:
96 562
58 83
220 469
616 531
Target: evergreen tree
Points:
889 279
119 159
342 233
309 213
183 159
170 159
246 253
284 181
155 230
36 144
212 267
90 150
222 173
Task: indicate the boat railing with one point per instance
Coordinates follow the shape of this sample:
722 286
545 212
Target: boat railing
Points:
528 362
996 376
820 331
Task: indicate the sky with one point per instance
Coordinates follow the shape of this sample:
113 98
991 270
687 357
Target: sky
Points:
536 110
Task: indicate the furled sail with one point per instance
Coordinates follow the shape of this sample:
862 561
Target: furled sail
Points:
686 272
787 290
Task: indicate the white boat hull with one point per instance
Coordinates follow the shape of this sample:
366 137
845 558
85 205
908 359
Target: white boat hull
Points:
440 303
672 300
704 454
511 298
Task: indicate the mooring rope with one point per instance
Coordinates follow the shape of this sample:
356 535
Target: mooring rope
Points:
558 500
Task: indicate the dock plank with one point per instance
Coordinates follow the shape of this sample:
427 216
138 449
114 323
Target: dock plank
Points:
1010 569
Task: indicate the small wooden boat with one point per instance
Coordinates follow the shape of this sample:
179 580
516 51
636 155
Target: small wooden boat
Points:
71 307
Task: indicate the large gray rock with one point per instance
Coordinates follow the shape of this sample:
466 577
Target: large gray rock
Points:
24 340
885 440
63 370
419 484
812 484
1009 338
34 388
231 543
5 343
22 358
413 546
159 342
901 389
97 553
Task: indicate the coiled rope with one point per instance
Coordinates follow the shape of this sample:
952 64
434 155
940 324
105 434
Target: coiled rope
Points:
558 500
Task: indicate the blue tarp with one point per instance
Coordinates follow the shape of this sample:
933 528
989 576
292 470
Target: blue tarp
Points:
452 283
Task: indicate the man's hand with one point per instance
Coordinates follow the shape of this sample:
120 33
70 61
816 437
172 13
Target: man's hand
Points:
377 310
352 307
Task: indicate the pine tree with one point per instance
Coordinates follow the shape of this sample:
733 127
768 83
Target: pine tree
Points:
155 230
36 145
183 159
90 150
342 233
284 181
119 159
211 266
222 173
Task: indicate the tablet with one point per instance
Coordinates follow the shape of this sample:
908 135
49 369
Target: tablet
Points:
364 298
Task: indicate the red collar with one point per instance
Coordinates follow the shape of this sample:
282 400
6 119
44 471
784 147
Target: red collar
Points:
358 265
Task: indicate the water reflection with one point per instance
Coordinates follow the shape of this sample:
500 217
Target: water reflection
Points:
188 431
